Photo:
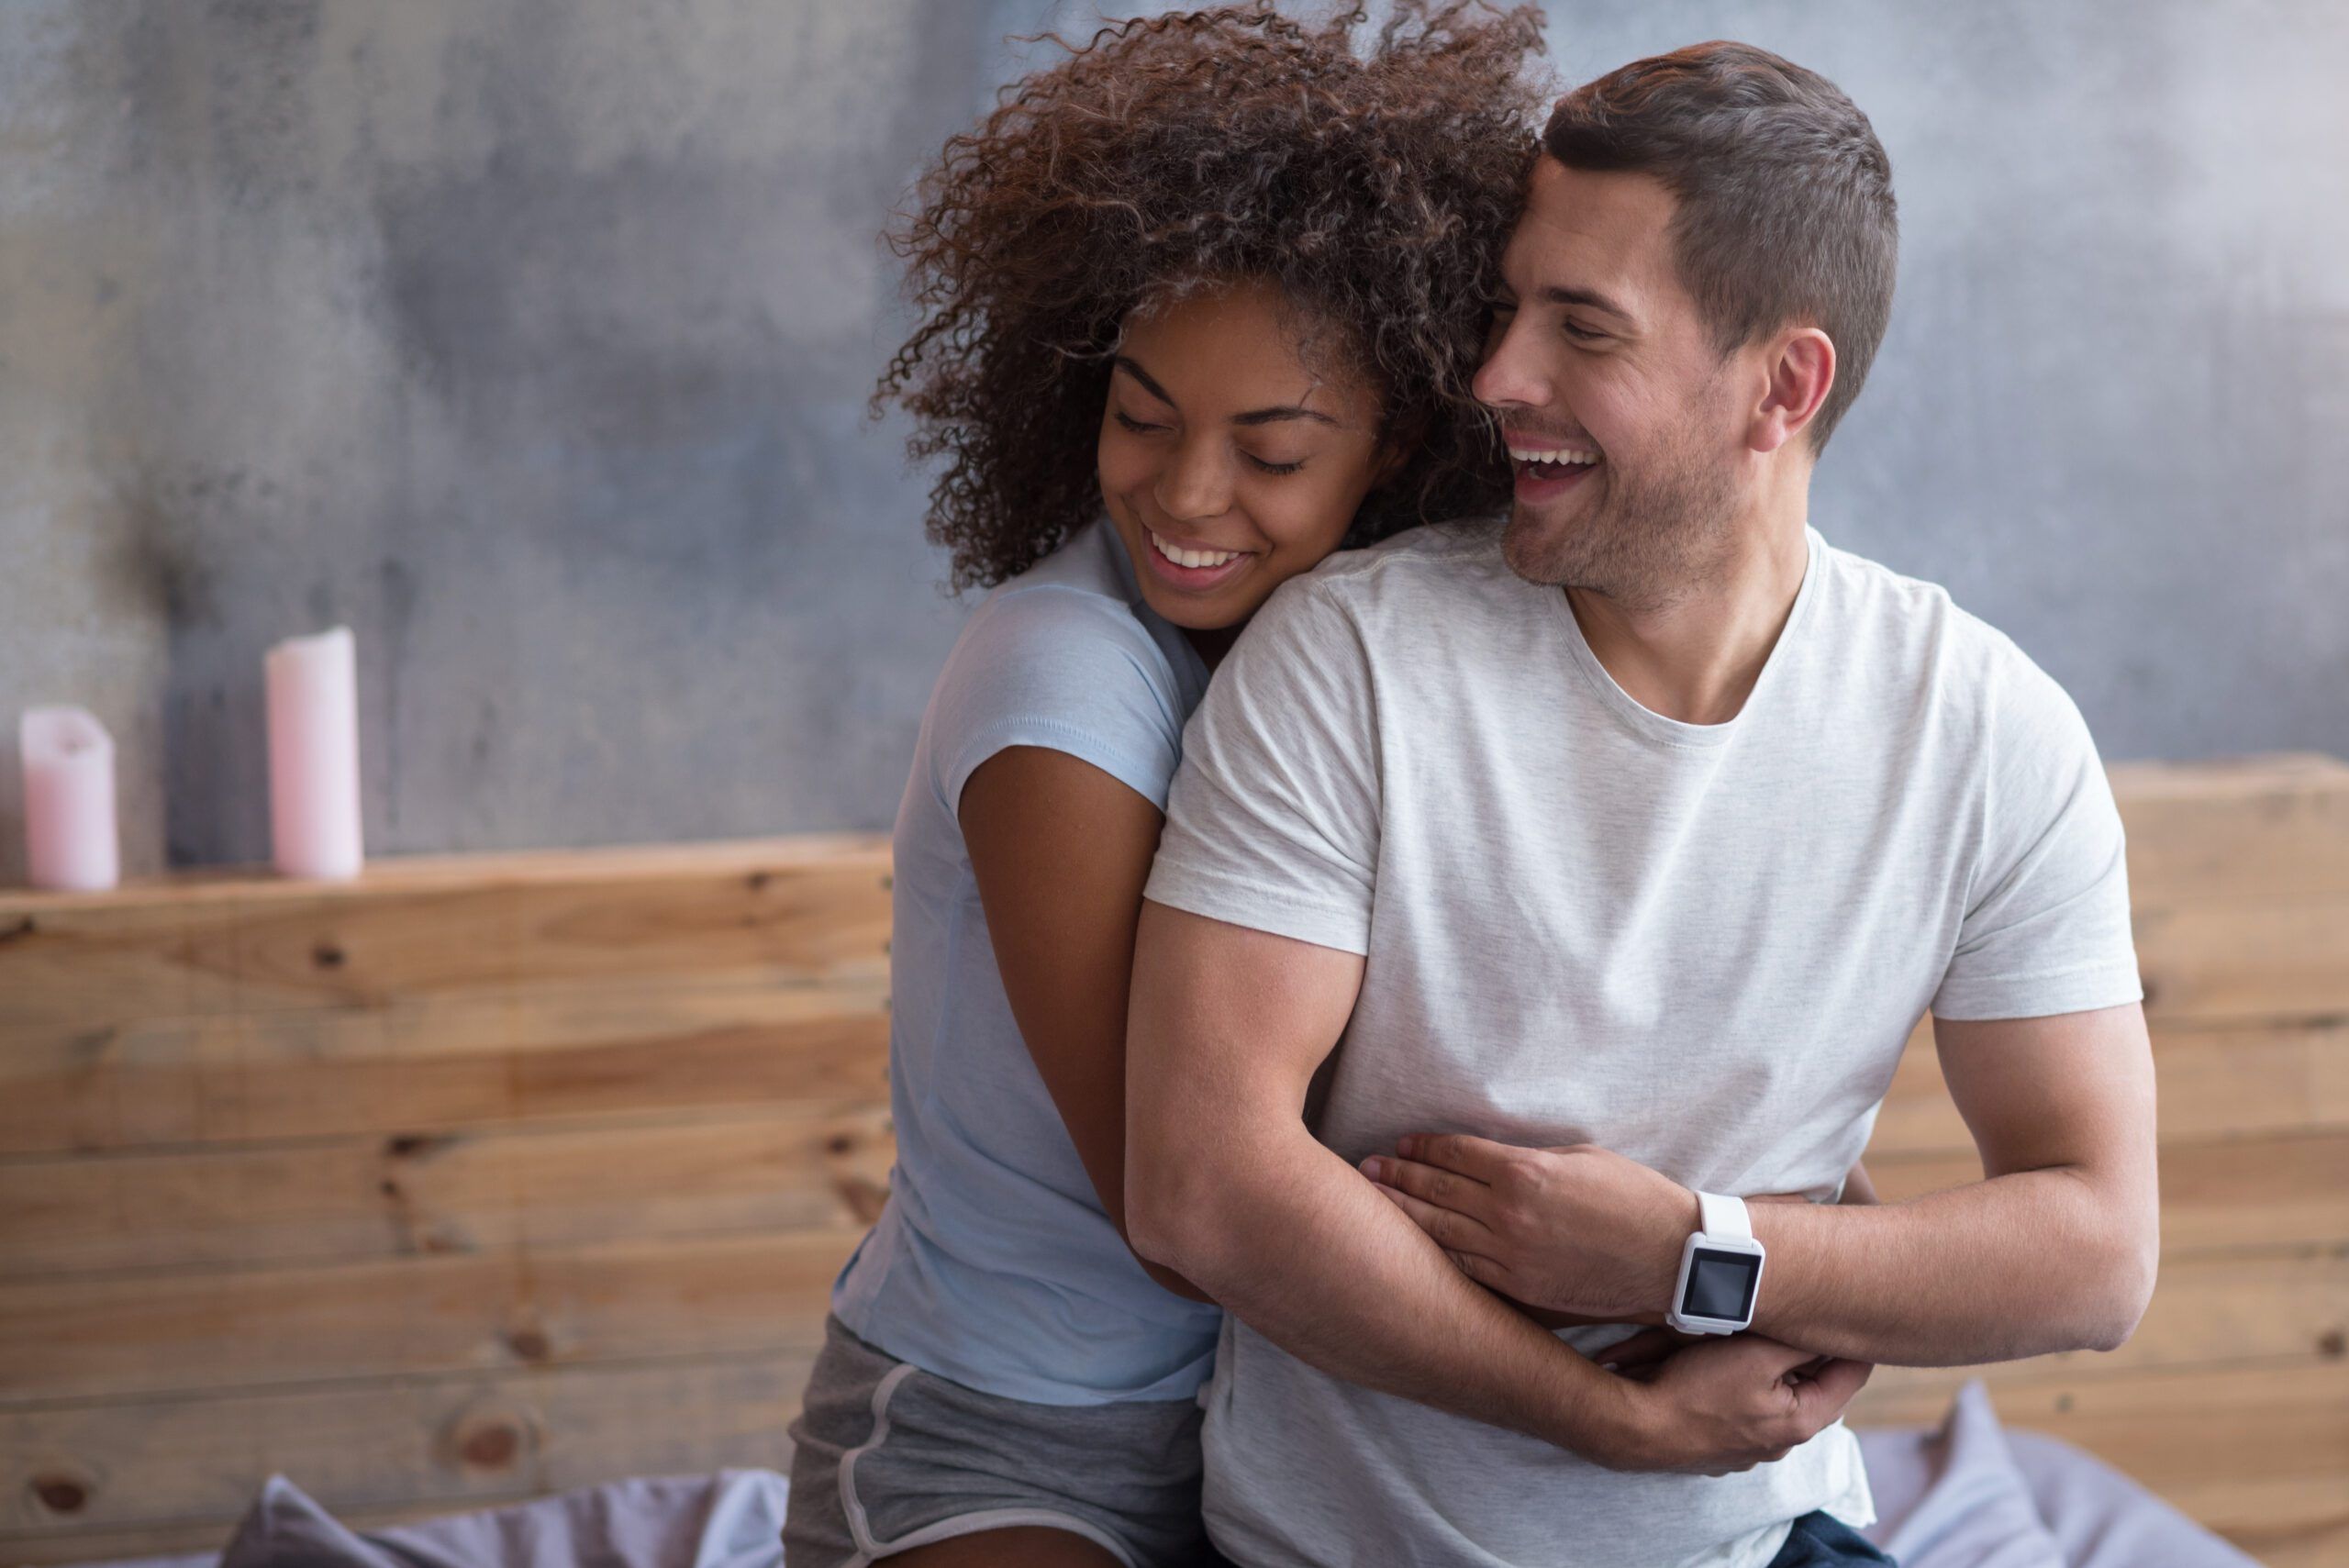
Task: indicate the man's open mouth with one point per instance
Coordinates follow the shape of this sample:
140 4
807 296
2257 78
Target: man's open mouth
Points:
1543 461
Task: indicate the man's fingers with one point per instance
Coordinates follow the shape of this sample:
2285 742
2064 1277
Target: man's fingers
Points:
1452 1231
1430 1184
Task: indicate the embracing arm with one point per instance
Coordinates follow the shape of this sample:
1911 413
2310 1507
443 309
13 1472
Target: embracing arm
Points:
1060 851
1227 1185
2055 1249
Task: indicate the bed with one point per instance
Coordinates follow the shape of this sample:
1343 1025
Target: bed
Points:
1962 1494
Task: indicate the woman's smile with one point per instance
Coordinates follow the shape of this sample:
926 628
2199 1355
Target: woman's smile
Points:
1191 567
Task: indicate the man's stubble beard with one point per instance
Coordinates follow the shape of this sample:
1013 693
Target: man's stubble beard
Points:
1647 542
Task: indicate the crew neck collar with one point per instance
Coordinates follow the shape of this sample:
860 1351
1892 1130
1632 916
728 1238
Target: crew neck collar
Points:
1658 727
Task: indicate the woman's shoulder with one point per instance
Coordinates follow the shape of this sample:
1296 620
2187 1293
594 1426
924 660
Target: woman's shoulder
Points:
1064 627
1060 657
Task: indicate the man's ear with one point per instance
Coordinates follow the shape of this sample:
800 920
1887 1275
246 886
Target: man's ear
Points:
1801 371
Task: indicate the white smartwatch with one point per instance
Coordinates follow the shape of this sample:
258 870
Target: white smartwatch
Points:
1721 1270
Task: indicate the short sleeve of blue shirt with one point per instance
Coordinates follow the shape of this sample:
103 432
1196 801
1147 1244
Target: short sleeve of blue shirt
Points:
1049 664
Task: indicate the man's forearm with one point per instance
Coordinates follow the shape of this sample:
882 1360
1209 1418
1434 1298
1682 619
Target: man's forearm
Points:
2018 1265
1309 1255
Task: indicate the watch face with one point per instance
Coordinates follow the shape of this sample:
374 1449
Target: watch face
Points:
1721 1284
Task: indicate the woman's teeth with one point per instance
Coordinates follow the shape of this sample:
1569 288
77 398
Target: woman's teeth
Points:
1193 558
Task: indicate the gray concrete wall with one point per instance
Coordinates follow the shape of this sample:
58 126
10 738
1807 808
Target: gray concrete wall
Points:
531 338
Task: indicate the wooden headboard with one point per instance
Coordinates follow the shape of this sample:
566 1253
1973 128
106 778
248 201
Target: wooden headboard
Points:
491 1175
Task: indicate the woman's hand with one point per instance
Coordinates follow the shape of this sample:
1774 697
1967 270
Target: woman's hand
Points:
1579 1233
1578 1230
1722 1405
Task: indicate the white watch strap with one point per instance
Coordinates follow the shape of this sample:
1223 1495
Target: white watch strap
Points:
1724 1216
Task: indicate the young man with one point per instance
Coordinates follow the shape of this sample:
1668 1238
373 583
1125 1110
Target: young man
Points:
1623 848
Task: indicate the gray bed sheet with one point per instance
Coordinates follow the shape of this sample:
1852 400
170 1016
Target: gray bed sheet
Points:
1963 1493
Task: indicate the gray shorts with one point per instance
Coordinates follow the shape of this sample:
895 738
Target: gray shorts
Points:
887 1456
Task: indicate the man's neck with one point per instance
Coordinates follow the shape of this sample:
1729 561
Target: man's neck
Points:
1696 658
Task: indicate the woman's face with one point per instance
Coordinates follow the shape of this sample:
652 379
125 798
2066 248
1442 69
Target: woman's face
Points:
1228 464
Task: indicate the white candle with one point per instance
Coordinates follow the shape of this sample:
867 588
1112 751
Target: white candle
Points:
70 837
312 686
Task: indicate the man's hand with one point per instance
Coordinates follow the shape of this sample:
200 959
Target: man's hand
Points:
1580 1230
1718 1405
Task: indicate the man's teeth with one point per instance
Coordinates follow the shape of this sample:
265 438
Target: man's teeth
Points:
1191 557
1550 454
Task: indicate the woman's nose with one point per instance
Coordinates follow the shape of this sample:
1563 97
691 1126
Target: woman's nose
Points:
1197 483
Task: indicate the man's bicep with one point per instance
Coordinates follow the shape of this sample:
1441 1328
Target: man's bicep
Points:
1218 1008
1225 1028
2070 1089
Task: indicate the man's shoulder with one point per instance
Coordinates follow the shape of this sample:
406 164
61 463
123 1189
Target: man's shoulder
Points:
1912 629
1452 560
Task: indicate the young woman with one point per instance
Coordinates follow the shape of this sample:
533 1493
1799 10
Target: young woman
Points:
1202 301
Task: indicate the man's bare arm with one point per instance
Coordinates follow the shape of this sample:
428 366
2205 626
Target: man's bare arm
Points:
2055 1249
1225 1183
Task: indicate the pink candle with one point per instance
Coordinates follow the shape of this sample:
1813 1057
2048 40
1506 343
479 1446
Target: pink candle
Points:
313 688
69 836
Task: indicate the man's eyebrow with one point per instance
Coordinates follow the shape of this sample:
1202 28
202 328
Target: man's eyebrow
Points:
1252 417
1558 294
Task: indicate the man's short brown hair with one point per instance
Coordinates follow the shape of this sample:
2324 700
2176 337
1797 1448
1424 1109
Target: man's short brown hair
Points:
1785 194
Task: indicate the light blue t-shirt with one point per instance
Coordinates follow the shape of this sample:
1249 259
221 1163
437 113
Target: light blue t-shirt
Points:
993 1263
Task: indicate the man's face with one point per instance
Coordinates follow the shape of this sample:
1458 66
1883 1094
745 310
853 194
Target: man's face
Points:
1622 422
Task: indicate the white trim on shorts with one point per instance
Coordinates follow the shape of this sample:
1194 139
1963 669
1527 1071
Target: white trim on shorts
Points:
867 1548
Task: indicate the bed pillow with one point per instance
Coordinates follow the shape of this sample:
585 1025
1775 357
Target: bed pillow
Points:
1951 1497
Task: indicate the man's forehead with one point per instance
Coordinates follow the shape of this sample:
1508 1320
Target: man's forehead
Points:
1585 230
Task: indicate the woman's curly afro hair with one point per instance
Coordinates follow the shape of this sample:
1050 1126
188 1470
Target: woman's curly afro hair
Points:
1375 190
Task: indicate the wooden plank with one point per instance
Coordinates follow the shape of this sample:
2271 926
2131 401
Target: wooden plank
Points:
351 1199
455 1442
2225 1195
2243 1082
443 1062
2245 960
2236 828
2203 1438
2207 1311
768 910
182 1332
2296 1521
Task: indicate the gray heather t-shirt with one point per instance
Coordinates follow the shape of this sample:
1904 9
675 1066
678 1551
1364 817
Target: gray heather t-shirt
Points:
1701 946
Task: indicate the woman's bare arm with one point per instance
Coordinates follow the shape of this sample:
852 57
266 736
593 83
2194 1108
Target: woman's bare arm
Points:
1060 851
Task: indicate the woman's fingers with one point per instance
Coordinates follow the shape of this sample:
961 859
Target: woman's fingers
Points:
1431 1184
1643 1350
1453 1231
1478 1159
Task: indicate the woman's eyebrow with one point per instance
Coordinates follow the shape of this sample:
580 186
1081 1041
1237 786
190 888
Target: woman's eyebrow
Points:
1271 416
1149 382
1253 416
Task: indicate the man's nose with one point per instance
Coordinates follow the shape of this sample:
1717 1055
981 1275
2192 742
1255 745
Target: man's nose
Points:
1509 378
